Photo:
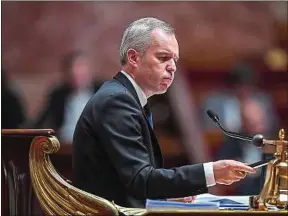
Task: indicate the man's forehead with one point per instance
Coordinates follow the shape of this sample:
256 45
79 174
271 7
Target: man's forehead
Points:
164 41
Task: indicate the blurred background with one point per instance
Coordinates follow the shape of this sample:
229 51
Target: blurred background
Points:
233 60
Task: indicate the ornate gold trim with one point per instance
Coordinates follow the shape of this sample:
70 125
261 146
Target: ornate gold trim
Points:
55 195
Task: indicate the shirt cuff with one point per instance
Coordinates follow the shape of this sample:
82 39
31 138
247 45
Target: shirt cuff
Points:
209 174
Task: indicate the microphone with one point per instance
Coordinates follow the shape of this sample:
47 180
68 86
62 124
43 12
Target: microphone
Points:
257 140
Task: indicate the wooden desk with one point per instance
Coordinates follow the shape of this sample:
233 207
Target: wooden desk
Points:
18 198
218 213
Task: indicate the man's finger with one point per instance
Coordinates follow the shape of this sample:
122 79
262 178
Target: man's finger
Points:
189 199
244 168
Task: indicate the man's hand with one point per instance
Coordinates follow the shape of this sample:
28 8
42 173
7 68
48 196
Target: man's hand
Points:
229 171
188 199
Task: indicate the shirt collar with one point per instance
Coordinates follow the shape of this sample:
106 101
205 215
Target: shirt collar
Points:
141 95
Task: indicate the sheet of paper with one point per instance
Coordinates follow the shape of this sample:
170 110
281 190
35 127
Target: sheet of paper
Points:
204 201
222 199
172 205
228 202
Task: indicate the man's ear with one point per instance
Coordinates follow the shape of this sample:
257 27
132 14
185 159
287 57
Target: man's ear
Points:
133 57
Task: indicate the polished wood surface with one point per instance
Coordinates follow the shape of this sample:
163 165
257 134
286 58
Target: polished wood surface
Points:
27 132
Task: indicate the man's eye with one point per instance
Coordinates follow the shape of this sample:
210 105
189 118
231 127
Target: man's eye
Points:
163 58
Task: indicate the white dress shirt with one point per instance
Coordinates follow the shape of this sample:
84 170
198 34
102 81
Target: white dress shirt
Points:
208 167
75 105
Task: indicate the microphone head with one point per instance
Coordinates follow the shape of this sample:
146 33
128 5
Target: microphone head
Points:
258 140
212 115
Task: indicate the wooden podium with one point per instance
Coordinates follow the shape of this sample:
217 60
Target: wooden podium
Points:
30 182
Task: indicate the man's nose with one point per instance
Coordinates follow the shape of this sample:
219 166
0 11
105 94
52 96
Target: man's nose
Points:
171 67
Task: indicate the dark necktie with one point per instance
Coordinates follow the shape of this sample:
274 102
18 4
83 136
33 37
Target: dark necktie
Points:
148 114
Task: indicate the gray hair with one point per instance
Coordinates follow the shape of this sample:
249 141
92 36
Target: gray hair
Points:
138 35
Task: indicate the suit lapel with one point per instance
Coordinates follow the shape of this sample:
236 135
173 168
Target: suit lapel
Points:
126 82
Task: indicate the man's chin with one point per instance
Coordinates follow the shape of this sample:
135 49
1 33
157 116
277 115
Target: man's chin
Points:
162 91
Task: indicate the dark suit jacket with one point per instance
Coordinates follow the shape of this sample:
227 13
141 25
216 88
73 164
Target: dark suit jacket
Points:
53 114
116 154
12 110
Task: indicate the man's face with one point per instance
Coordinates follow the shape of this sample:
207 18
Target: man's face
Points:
156 67
80 73
253 116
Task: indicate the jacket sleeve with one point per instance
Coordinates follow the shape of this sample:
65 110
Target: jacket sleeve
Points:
121 127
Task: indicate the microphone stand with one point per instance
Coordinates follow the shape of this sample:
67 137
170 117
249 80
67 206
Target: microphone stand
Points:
258 140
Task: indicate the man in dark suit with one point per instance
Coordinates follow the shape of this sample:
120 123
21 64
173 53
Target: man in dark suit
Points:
66 102
115 151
